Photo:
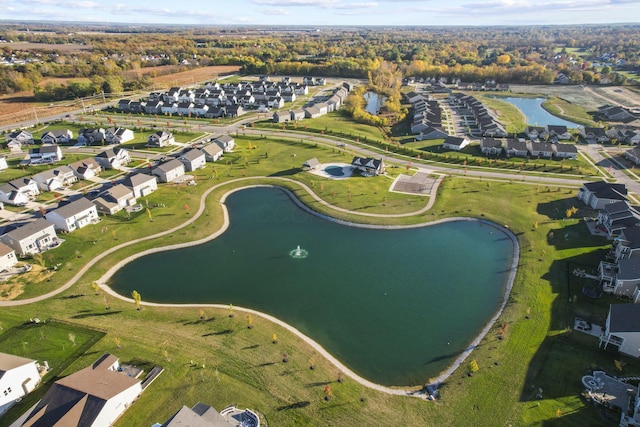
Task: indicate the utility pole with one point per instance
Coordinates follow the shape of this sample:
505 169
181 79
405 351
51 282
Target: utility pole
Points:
35 113
104 101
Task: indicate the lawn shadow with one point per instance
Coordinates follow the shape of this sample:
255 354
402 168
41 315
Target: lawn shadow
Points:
251 347
216 333
319 383
296 405
96 314
286 172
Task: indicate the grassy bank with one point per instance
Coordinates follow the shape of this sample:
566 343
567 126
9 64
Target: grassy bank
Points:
211 357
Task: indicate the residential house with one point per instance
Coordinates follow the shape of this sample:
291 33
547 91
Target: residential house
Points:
124 105
12 196
281 116
66 175
61 136
169 108
633 155
556 132
226 142
234 110
153 107
19 191
193 159
540 149
19 139
45 154
599 193
94 396
534 132
430 132
593 134
73 215
297 114
368 166
7 260
160 138
212 152
561 79
48 181
624 134
184 108
202 415
18 377
622 329
455 143
565 151
516 148
140 184
626 245
491 146
614 113
115 135
617 216
90 136
86 168
316 110
115 199
31 238
621 279
113 158
169 171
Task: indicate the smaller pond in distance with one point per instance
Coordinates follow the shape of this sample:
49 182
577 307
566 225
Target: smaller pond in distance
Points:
534 114
374 102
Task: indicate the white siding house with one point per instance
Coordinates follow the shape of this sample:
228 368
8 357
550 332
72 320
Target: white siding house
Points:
169 171
73 215
31 238
18 377
95 396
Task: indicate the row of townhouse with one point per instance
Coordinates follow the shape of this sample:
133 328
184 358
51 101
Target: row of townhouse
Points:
19 192
616 113
215 100
550 133
485 120
88 136
318 109
619 272
520 148
427 117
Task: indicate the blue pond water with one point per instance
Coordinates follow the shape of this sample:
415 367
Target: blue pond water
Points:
396 306
534 114
334 170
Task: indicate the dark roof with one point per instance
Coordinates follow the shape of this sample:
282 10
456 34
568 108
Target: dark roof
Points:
629 269
29 229
79 398
624 317
605 190
453 140
77 206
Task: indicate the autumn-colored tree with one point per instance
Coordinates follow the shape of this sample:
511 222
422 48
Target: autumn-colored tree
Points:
328 394
137 299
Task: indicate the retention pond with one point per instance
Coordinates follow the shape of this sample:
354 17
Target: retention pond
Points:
396 306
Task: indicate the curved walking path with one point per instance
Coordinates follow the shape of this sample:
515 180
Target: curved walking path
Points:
428 391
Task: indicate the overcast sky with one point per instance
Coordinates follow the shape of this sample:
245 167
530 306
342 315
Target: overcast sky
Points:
327 12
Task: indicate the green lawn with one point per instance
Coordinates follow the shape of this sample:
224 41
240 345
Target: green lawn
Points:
528 349
568 111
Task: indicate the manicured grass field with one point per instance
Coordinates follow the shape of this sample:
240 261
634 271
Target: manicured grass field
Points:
213 358
529 348
568 111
